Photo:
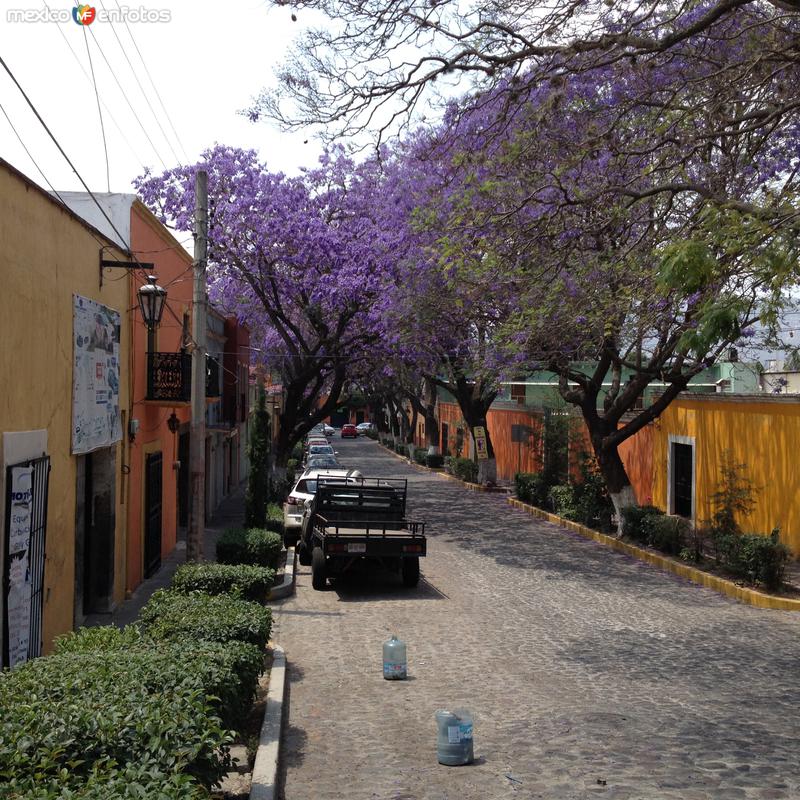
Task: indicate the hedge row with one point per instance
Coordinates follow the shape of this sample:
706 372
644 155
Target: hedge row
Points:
464 469
255 546
248 581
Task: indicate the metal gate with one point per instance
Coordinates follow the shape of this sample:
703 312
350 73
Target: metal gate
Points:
28 563
152 510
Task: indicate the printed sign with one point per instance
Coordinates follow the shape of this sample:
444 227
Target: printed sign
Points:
18 600
481 449
95 376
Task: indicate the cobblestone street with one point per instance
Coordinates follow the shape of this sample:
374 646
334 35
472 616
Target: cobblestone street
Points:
589 674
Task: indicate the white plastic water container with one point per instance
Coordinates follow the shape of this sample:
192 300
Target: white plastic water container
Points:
394 659
454 739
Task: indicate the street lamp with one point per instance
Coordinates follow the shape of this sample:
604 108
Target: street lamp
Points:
152 299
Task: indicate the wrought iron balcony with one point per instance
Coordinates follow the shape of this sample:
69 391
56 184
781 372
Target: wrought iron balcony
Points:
169 377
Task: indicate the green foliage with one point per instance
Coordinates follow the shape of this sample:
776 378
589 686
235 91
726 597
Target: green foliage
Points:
593 506
686 266
733 497
371 434
170 615
297 453
62 715
752 557
230 670
556 446
434 461
248 581
291 465
249 546
665 533
464 469
562 501
533 488
419 454
258 451
106 781
103 638
633 521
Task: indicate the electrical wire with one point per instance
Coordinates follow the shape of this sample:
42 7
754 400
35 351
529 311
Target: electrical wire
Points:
127 99
63 153
127 141
141 88
153 83
99 110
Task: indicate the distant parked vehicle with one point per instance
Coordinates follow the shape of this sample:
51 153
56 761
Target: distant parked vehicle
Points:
364 427
303 490
349 431
329 431
322 462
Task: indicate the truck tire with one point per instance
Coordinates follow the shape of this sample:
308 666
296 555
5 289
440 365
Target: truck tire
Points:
303 556
410 571
318 570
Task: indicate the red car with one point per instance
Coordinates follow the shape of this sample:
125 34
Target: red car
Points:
349 430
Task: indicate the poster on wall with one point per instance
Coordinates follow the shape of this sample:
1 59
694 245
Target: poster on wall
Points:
95 376
18 599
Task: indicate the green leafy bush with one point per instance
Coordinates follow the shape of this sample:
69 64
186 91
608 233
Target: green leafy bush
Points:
752 557
532 487
419 455
230 670
291 464
593 506
144 779
667 534
246 580
249 546
371 434
298 452
62 715
434 461
562 501
632 518
171 615
465 469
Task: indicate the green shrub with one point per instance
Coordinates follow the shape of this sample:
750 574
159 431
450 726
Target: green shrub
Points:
434 461
170 615
249 546
229 671
752 557
419 455
103 638
562 501
298 452
532 487
61 715
251 583
371 434
144 779
667 534
291 464
632 517
465 469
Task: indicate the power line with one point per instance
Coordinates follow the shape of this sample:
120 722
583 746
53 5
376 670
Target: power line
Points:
141 88
127 100
99 111
153 83
66 157
127 141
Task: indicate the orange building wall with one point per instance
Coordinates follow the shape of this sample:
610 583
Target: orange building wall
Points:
637 456
153 243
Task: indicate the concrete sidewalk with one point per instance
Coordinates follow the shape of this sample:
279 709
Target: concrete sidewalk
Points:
230 513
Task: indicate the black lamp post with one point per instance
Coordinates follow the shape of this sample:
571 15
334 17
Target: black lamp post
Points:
152 299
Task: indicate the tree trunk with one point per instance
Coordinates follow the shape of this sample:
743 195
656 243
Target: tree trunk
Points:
616 479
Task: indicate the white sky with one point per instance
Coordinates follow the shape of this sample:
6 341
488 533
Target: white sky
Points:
208 61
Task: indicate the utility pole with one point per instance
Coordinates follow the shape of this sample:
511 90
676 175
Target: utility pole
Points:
197 435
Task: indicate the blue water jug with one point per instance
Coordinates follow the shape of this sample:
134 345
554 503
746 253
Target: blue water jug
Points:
454 740
394 659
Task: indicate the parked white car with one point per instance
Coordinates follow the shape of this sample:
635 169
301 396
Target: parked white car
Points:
305 489
363 427
329 431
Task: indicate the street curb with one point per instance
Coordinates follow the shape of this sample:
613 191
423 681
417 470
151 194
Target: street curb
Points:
265 769
286 586
741 593
472 487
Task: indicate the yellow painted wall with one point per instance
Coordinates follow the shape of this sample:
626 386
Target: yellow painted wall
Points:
763 434
46 255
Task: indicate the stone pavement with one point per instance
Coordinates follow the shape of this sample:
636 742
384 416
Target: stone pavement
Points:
229 513
589 674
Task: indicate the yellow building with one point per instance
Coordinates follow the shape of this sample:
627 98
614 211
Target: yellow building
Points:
676 463
65 364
